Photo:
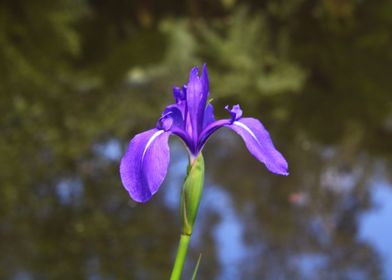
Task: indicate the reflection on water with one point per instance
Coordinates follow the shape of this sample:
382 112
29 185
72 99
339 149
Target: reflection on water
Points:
359 234
375 226
80 78
330 221
69 191
227 233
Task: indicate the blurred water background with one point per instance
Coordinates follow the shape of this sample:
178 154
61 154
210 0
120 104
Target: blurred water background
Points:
79 78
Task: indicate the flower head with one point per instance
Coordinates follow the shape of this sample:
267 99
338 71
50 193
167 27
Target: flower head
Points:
145 163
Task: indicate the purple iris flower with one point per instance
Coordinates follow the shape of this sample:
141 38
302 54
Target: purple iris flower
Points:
145 163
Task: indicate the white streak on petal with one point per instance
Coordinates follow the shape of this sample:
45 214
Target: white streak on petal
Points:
153 137
240 124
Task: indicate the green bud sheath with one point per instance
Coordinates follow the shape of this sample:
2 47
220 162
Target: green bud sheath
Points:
190 200
191 194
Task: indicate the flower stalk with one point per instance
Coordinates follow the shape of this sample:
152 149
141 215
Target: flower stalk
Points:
180 258
189 205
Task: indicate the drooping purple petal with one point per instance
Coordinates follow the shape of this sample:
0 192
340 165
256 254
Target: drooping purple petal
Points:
144 165
259 144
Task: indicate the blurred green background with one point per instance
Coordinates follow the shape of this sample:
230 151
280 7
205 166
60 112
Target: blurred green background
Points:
78 79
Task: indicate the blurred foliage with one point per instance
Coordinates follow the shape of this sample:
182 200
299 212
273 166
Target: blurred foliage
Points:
241 52
77 74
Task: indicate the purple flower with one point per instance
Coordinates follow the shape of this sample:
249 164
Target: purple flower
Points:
145 163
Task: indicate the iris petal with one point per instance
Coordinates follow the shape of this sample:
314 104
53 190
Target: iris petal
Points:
235 112
208 115
178 94
203 108
209 130
196 100
144 165
175 112
192 100
259 144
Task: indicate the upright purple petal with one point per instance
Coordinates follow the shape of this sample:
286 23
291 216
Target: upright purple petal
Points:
197 96
208 115
203 107
235 112
193 96
174 112
259 144
179 94
205 83
144 165
172 120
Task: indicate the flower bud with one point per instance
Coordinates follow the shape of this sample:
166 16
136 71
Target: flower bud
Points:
191 194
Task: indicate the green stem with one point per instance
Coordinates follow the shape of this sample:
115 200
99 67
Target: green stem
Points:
180 259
